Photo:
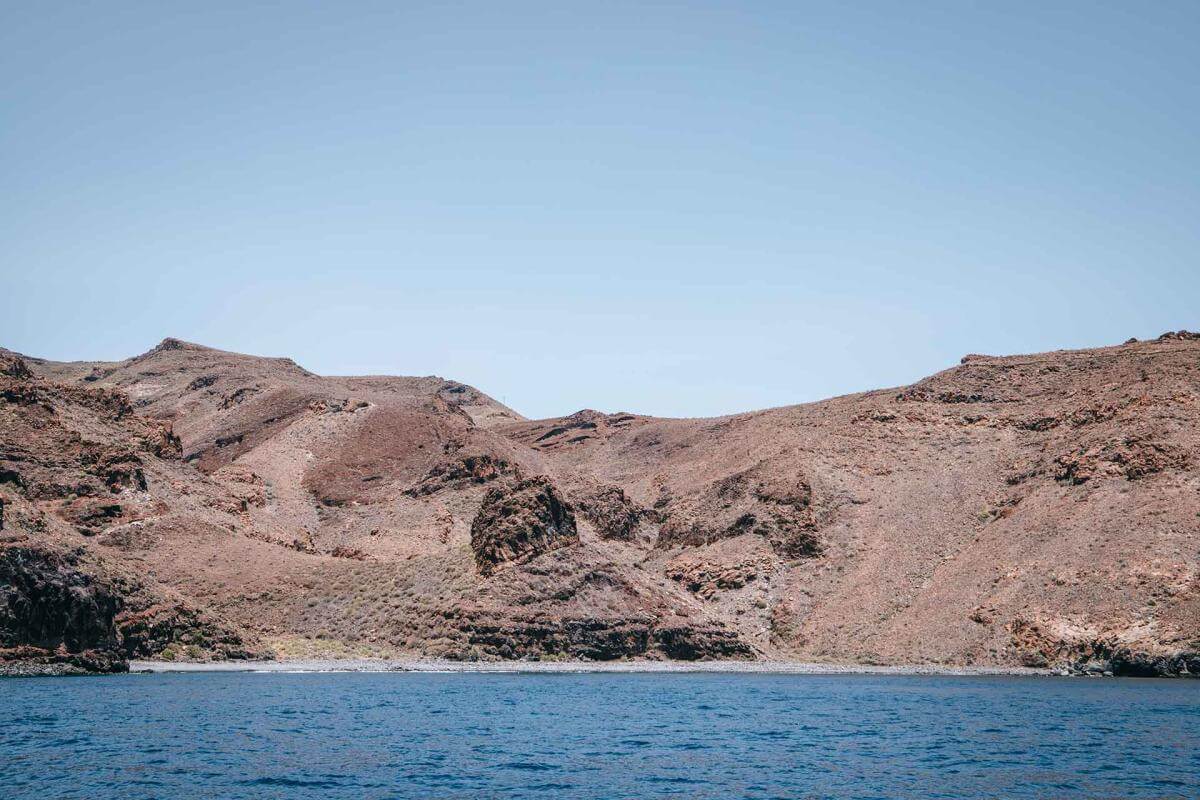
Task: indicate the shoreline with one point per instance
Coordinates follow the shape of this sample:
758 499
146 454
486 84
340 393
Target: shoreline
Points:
574 667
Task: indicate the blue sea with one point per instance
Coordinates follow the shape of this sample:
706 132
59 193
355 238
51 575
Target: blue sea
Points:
596 736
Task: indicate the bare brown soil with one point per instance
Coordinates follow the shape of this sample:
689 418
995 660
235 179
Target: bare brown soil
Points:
189 503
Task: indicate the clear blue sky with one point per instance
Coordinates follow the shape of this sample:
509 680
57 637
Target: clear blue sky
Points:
673 208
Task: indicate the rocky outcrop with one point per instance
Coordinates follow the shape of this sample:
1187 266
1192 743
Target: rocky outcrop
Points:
14 367
581 429
54 612
612 513
179 631
90 515
1131 457
462 472
1084 650
57 617
920 394
597 639
699 642
520 522
162 441
44 451
119 468
708 578
1178 336
775 507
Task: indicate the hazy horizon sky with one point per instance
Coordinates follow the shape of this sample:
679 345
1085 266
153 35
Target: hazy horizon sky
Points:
672 208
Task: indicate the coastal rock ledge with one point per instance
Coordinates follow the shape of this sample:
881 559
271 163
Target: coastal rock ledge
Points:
58 617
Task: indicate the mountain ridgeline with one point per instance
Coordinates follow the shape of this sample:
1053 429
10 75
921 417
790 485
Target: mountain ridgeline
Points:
190 503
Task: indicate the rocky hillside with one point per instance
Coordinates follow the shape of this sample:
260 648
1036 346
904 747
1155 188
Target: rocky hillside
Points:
192 503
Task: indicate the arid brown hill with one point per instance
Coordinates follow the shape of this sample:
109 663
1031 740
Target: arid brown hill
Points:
192 503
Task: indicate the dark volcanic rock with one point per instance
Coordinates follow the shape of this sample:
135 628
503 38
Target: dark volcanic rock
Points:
177 630
52 610
57 618
520 522
29 661
599 639
1136 664
120 469
90 515
692 643
1178 336
612 512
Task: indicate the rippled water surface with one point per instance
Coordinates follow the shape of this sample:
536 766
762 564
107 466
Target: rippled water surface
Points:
596 736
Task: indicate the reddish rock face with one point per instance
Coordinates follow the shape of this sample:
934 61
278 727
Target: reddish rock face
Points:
613 513
520 522
776 507
1131 457
462 472
709 579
